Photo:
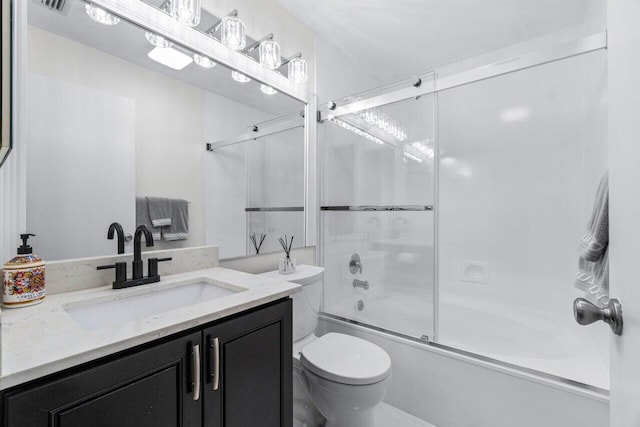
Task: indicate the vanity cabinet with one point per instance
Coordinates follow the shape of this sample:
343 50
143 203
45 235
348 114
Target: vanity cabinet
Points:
171 383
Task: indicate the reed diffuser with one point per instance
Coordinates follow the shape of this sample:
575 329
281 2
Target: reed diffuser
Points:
287 265
257 241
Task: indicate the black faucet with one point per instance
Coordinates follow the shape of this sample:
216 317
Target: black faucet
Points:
115 227
121 267
137 249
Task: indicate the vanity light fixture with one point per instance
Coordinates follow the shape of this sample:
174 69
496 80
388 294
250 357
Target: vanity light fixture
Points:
375 117
170 57
297 70
239 77
356 130
157 40
100 15
203 61
267 90
186 11
270 54
233 33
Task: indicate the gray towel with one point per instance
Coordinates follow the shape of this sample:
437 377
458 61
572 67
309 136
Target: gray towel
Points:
179 228
593 265
159 211
142 217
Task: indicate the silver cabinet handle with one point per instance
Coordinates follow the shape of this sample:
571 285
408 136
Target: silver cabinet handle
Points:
195 358
215 367
586 313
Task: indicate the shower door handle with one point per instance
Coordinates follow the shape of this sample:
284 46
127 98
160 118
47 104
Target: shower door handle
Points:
585 313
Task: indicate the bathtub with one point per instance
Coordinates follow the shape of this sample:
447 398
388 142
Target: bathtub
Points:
542 342
452 388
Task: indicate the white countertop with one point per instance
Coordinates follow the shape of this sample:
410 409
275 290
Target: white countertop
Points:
43 339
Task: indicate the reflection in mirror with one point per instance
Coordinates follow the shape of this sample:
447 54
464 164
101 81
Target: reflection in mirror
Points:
109 124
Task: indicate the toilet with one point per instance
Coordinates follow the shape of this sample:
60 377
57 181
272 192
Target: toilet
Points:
340 376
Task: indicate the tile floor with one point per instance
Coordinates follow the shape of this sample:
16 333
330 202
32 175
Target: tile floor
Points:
390 416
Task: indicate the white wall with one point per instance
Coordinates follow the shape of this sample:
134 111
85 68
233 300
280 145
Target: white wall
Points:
78 140
338 75
13 200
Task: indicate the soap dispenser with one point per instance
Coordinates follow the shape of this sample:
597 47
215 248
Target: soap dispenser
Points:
23 278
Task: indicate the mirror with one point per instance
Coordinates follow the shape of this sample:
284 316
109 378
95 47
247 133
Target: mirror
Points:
108 126
5 65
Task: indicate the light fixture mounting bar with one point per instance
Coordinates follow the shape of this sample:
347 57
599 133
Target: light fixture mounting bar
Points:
215 27
257 43
287 60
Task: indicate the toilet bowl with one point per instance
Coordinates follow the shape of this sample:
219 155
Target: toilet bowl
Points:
340 376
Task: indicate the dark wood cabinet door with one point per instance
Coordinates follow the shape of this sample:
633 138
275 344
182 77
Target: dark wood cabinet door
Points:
254 367
149 388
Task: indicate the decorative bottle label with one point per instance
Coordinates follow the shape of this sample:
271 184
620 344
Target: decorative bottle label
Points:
23 281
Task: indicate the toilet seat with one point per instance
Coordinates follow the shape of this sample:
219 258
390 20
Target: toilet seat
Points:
346 359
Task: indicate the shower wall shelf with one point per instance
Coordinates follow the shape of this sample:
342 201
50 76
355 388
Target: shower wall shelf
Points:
277 209
379 208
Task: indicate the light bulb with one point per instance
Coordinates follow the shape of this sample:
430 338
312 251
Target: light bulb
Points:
100 15
203 61
186 11
157 40
268 90
233 33
297 68
239 77
270 54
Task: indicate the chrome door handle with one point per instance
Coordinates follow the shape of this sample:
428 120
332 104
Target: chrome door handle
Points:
195 359
585 313
215 368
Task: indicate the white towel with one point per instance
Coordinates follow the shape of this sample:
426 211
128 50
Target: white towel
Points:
142 217
593 265
179 227
159 211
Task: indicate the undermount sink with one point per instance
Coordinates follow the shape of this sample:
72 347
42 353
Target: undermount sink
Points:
99 313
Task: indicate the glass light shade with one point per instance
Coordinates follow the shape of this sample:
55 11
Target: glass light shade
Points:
186 11
270 54
157 40
268 90
203 61
297 70
100 15
239 77
233 33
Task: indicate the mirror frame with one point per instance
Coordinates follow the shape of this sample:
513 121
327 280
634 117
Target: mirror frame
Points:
6 64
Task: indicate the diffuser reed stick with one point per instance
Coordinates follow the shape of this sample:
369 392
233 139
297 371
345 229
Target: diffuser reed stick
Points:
255 240
286 244
287 265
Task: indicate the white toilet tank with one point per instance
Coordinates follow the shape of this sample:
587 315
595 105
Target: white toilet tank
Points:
306 303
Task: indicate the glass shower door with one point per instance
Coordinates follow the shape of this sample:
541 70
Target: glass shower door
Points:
377 212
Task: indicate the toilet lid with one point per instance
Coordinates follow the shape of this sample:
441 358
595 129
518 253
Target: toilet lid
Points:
345 359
